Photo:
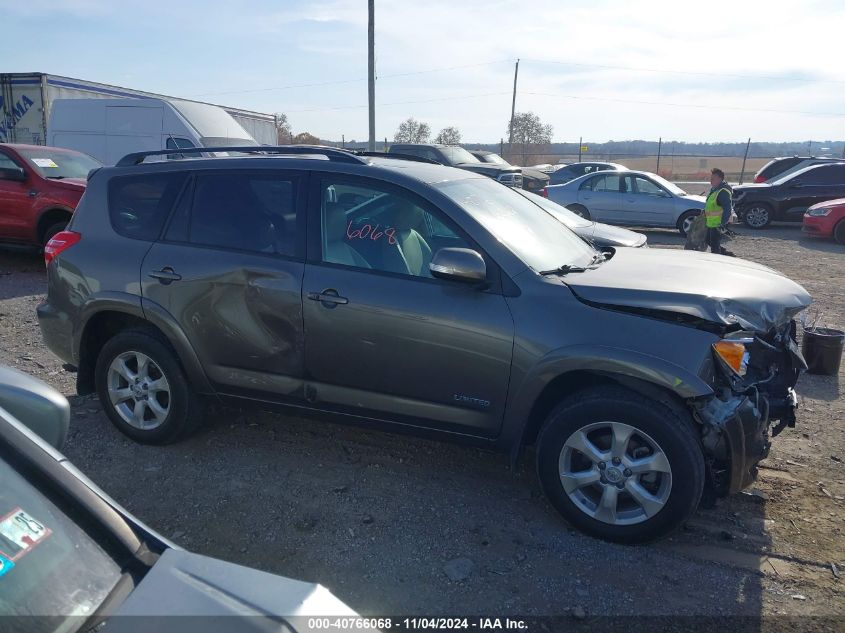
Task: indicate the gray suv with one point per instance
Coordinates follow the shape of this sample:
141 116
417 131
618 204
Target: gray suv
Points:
417 297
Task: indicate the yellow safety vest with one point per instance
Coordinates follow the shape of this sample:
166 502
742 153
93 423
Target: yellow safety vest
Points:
712 211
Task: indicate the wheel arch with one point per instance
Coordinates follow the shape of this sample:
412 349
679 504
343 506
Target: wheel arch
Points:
48 217
547 386
106 317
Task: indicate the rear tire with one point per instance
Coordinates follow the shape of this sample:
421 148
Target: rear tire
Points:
143 389
839 232
604 497
758 215
685 220
581 210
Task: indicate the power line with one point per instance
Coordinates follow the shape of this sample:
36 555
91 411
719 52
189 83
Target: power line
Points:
350 81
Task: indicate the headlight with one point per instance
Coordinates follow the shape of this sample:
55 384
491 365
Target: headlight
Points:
733 354
820 212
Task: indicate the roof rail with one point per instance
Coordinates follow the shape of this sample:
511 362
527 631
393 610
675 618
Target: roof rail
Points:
396 155
332 153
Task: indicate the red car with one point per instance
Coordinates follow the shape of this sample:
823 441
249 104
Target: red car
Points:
826 219
39 189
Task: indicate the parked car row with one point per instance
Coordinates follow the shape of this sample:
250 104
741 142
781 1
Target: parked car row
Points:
414 296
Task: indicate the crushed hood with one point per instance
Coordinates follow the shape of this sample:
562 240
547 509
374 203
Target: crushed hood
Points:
715 288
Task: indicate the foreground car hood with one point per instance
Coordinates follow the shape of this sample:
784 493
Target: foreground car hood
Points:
715 288
699 199
186 584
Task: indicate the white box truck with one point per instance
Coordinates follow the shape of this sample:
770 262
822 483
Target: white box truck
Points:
27 99
109 129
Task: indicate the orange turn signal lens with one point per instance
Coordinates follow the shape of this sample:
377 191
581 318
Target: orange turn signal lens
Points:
732 353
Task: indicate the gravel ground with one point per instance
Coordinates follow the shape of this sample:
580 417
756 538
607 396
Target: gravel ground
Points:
400 525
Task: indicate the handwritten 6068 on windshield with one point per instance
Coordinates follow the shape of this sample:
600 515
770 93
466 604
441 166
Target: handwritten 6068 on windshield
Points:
374 233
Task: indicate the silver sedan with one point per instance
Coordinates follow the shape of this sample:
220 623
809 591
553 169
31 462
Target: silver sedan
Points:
629 198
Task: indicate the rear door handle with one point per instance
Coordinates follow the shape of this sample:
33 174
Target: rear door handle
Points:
329 298
166 275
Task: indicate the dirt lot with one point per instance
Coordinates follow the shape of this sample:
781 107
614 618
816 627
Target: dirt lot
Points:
381 519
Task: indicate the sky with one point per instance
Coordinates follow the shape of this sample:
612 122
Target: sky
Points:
602 70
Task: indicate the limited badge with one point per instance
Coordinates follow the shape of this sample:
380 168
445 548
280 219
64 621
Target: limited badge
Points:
19 533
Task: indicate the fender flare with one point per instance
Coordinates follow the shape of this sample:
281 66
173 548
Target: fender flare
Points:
629 366
156 316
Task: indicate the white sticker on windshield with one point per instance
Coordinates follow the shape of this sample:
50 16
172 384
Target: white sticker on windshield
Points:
45 162
19 533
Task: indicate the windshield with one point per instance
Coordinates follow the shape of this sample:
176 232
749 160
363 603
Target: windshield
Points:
669 186
57 164
537 238
495 158
572 220
49 566
458 155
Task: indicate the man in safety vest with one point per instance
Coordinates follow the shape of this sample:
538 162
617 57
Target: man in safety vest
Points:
717 209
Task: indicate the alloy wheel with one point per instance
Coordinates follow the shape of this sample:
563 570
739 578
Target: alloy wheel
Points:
615 473
757 217
138 390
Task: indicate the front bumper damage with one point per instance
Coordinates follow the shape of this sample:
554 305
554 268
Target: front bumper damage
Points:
739 421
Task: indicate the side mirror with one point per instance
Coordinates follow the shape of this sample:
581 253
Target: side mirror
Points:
36 405
458 264
12 173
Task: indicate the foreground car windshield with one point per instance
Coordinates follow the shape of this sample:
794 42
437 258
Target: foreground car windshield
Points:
49 566
533 235
52 164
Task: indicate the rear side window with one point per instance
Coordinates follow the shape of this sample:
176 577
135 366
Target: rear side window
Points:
246 211
777 167
139 205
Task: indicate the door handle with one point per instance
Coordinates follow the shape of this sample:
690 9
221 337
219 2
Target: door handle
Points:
32 193
166 275
329 298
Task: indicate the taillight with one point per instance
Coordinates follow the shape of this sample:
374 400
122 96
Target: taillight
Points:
59 243
759 179
544 192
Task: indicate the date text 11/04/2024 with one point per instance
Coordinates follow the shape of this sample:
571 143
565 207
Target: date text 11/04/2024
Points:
416 623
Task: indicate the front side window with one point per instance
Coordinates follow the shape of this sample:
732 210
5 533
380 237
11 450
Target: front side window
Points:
826 175
381 229
253 212
139 205
644 185
7 163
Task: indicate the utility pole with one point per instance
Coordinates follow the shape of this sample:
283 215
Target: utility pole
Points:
371 73
744 158
659 147
513 103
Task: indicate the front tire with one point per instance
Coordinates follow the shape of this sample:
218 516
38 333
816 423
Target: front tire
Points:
685 221
757 215
143 389
620 466
58 227
839 232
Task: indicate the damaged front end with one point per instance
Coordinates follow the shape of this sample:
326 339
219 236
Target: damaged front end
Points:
753 376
